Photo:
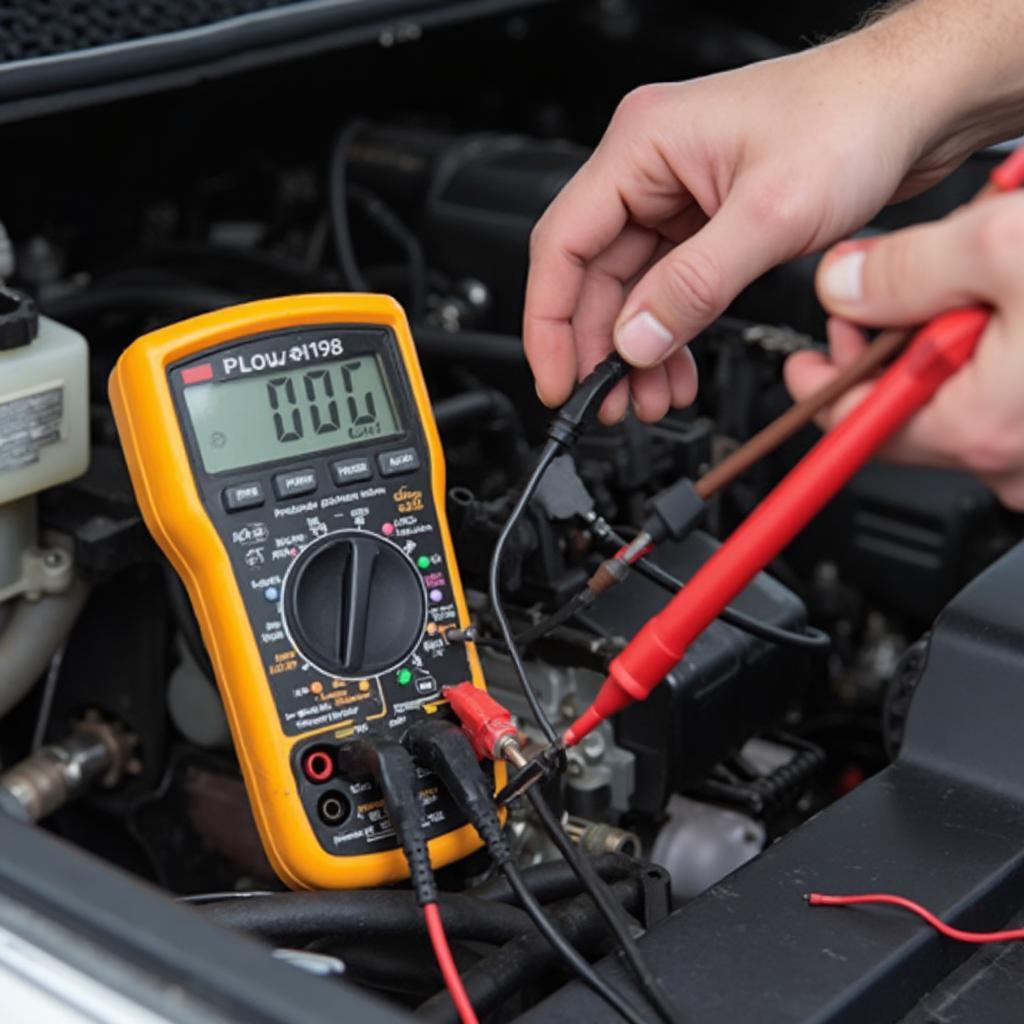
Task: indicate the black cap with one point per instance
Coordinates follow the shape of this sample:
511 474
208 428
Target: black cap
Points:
19 319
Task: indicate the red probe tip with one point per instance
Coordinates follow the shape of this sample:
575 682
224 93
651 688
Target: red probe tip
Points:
610 700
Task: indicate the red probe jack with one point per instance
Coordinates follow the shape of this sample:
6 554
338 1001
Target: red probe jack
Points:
318 765
936 352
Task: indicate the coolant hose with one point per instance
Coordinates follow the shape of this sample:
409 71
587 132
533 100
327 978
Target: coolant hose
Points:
365 915
33 634
556 880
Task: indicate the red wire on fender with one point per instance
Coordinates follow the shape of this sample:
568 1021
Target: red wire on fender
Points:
450 973
817 899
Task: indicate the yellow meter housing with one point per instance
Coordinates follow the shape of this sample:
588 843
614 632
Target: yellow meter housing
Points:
285 457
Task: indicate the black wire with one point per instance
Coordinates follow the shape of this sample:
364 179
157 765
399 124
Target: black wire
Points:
389 223
568 953
811 639
338 193
597 888
577 604
441 747
551 450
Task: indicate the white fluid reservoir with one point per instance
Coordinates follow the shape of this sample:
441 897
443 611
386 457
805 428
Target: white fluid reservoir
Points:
44 423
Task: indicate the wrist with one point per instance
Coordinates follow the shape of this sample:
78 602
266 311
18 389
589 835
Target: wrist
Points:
951 74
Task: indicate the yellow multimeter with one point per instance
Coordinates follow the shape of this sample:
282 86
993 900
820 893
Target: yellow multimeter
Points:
285 457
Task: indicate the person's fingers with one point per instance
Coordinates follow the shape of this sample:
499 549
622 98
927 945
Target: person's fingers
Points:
911 275
681 368
807 372
616 405
846 341
650 393
692 284
950 431
605 284
584 219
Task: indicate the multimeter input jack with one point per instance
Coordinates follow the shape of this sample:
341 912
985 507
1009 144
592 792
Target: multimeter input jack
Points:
333 808
318 765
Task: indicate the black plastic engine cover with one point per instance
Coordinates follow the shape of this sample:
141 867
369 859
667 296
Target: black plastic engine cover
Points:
943 825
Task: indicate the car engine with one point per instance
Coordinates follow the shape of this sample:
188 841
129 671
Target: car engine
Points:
167 160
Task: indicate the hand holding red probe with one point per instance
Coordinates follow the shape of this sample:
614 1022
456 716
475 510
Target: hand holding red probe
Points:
976 422
879 413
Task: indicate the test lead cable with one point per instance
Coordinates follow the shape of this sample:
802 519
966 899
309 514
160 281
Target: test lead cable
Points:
442 747
576 416
390 765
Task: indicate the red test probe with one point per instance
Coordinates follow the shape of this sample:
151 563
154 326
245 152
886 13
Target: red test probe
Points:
935 352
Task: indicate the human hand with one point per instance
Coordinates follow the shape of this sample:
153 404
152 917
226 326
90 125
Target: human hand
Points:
976 420
695 190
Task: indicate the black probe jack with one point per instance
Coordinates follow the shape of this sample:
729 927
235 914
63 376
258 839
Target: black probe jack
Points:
441 746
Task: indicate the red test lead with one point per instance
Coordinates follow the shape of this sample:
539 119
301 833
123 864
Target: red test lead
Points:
936 351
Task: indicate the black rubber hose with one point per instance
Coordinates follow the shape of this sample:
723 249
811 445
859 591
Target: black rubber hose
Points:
472 406
477 346
184 298
508 970
337 189
303 916
556 880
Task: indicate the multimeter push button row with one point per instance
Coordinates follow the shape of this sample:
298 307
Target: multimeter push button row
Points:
298 482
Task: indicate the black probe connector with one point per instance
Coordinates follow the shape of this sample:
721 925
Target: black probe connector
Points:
579 413
388 763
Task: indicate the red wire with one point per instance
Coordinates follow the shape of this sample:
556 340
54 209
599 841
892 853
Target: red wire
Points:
817 899
450 973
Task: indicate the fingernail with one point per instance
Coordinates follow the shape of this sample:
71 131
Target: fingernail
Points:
843 278
644 340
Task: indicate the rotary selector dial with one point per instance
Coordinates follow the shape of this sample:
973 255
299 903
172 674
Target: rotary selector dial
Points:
354 605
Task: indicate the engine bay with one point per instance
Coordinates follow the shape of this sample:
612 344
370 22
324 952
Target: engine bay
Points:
817 735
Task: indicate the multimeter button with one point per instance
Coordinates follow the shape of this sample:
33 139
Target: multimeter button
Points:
291 485
401 460
351 471
243 496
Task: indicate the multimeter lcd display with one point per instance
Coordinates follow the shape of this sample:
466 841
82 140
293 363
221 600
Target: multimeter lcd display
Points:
279 415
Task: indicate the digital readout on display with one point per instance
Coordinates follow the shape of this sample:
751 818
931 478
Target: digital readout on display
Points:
278 415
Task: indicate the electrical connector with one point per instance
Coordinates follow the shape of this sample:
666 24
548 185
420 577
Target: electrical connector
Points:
579 413
674 512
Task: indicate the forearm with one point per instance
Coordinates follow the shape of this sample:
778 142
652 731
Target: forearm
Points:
956 67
